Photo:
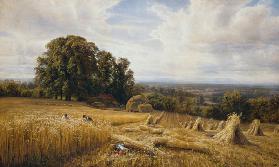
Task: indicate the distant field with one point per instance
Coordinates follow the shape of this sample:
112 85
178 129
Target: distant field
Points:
32 133
15 108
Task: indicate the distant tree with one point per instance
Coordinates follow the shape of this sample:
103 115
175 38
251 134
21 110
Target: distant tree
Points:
66 67
170 103
274 102
2 90
274 108
122 80
156 100
105 69
215 111
259 107
47 77
233 102
15 89
12 88
200 100
163 103
139 89
188 106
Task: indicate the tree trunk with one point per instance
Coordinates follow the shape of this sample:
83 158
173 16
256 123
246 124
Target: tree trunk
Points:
68 98
61 95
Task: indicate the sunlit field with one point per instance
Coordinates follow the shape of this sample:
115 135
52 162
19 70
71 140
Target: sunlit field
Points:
33 133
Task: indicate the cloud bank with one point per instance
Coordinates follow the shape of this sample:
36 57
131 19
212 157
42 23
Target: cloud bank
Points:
220 41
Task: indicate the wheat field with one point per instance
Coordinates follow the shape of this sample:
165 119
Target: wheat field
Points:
32 133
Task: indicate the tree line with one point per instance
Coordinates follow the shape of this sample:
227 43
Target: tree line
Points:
265 108
17 89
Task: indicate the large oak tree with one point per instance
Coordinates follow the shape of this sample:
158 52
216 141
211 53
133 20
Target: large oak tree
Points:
72 66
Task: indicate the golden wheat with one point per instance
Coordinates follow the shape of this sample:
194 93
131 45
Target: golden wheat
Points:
255 128
35 140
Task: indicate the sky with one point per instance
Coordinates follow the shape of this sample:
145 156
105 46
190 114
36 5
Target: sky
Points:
191 41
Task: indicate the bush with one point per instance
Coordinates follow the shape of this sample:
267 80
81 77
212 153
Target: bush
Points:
234 102
12 88
160 102
145 108
103 100
189 106
170 103
214 111
26 93
37 92
2 91
157 101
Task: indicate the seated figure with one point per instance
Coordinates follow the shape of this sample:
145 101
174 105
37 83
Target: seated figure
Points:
65 117
87 118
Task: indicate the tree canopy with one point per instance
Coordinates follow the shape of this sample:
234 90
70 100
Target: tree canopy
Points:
74 67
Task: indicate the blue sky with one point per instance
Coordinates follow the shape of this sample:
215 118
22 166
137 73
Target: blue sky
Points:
216 41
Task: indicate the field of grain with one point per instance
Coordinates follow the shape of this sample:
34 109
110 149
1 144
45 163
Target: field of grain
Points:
32 133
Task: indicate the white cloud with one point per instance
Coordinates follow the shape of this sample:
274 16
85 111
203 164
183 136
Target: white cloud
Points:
26 26
220 39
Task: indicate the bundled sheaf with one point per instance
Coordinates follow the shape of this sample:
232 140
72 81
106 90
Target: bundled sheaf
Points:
215 126
255 128
152 121
189 125
151 130
221 125
232 133
198 125
178 144
137 145
210 125
159 118
149 120
132 129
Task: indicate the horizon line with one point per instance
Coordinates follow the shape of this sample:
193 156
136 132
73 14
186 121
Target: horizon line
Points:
168 81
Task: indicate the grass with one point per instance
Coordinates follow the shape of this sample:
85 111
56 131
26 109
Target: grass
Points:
33 134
